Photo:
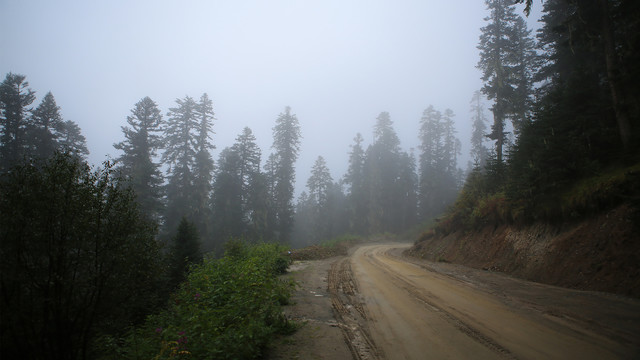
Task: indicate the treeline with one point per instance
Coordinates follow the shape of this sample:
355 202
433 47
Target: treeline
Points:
572 99
385 188
236 199
167 162
383 191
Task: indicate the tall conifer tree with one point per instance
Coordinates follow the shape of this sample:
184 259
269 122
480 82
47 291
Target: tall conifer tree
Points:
203 166
45 127
15 98
479 152
142 141
505 61
286 145
180 134
382 169
354 178
71 140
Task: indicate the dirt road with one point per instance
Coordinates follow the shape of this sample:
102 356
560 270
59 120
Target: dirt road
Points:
392 307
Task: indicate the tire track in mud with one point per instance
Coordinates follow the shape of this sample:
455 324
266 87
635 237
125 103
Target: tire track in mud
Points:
388 307
354 320
430 302
350 312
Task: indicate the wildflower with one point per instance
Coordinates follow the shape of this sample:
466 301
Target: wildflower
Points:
158 330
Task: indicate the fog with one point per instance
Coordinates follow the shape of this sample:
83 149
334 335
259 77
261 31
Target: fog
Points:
337 64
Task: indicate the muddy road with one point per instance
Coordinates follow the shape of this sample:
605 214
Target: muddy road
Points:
392 307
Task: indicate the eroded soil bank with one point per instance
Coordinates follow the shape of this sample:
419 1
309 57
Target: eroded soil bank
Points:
602 253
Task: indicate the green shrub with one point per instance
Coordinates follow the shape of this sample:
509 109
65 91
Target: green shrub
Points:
228 308
605 190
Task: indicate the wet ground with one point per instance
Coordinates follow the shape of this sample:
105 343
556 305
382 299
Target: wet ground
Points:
377 304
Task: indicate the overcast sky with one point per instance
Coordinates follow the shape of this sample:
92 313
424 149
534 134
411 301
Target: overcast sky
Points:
338 64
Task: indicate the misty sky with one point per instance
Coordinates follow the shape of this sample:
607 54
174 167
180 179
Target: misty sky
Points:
338 64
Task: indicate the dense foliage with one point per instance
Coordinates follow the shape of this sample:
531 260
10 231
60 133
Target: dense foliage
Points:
78 258
227 308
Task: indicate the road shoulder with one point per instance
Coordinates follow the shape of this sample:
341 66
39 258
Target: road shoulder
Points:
319 335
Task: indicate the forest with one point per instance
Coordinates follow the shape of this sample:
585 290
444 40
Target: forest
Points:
91 253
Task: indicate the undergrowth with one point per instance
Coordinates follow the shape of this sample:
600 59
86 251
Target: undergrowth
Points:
228 308
475 208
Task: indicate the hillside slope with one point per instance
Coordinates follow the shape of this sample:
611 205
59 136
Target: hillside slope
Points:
601 253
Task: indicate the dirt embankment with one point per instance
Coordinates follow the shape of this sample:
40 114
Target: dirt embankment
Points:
602 253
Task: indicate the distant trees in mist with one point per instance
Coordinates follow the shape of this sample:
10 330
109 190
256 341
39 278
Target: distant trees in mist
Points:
167 162
384 189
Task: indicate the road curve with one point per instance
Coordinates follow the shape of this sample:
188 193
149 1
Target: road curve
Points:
390 308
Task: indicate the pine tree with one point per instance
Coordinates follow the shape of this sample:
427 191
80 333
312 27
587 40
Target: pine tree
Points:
319 182
431 150
249 153
180 134
407 193
319 185
381 171
452 146
337 211
505 62
203 166
15 97
268 178
286 145
304 225
139 148
45 127
228 219
72 141
479 151
260 209
185 251
355 181
439 150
